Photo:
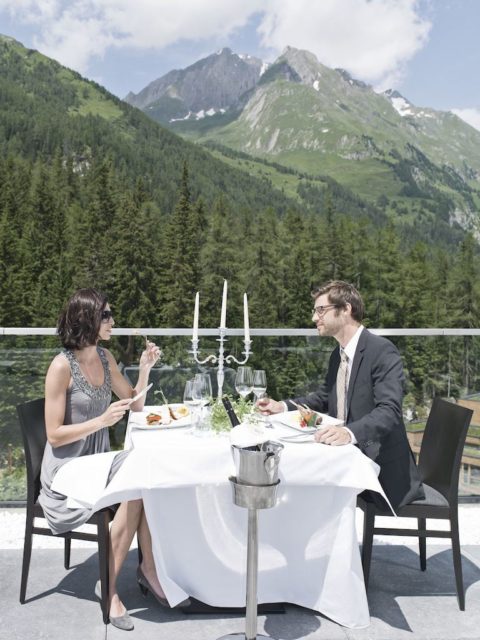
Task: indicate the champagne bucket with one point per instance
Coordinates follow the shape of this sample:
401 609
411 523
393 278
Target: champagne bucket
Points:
257 465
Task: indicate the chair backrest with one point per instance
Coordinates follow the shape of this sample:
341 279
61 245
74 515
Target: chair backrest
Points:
34 434
442 447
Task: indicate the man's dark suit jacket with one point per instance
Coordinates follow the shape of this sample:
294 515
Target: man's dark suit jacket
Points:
374 413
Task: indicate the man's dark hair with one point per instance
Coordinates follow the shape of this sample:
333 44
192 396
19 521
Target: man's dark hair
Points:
79 323
342 293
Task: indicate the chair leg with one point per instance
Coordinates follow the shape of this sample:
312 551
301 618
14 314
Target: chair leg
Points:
367 542
422 544
140 558
103 559
27 554
66 551
457 560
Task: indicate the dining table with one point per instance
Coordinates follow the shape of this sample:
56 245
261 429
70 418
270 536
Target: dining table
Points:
308 548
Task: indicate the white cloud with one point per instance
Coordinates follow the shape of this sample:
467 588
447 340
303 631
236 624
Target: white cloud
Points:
74 31
471 116
373 39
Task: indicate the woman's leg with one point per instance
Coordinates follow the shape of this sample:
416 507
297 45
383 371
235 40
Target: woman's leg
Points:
123 528
148 563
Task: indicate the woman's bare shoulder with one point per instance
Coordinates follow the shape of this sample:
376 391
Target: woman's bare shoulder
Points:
110 357
59 368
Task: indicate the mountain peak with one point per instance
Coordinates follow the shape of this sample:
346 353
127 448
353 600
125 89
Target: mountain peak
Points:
403 106
209 86
303 63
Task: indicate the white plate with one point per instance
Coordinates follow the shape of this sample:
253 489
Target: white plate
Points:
297 438
291 419
138 419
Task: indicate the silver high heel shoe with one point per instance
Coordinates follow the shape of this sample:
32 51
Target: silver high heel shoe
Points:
121 622
145 587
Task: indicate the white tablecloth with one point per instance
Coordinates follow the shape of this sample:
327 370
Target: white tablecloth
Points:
308 550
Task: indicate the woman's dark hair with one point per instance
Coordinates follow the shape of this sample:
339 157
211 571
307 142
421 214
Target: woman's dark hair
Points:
79 323
341 293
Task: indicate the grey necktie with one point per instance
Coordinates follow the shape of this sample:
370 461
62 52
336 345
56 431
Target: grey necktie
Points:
342 379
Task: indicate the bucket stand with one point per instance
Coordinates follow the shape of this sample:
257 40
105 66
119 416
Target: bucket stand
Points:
252 497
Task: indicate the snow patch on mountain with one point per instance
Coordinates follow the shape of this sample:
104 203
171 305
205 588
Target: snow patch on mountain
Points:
402 107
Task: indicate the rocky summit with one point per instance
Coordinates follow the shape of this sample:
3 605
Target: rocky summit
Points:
209 86
317 120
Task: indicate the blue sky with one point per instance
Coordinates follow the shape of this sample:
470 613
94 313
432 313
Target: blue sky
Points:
426 49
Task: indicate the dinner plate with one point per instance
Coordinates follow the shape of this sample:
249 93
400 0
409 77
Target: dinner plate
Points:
300 438
291 419
138 419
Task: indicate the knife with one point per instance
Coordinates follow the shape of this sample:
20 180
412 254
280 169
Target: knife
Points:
141 393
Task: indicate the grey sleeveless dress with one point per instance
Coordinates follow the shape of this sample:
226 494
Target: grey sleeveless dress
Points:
84 402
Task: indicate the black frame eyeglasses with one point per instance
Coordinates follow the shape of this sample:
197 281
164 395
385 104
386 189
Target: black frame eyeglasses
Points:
107 315
322 309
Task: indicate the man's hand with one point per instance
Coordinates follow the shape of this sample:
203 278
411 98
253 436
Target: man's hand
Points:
333 435
267 406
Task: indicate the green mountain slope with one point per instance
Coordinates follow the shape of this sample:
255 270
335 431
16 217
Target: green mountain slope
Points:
321 121
45 107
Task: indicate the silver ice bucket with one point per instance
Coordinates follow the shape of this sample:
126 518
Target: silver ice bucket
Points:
257 465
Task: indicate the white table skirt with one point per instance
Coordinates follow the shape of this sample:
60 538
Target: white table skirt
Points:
308 550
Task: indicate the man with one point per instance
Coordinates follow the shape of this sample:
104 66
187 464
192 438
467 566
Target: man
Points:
364 388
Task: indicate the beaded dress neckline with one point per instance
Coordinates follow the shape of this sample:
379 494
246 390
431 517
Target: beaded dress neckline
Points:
95 392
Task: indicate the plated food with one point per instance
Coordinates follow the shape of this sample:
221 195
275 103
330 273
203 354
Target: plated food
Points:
308 418
161 417
305 423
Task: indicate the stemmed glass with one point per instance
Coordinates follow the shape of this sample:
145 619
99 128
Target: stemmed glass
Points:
259 383
259 389
244 381
190 401
202 392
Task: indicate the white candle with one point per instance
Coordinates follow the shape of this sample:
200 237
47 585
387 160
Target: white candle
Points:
246 323
223 316
195 317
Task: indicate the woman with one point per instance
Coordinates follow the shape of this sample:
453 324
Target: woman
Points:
78 412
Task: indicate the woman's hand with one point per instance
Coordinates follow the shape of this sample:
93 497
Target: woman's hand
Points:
149 356
114 413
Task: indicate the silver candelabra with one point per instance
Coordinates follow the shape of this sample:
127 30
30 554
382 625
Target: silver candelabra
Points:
221 358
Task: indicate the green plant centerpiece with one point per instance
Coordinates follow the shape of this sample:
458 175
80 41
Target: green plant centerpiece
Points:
219 418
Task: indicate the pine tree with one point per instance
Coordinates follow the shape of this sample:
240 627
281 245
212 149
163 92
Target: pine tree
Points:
44 244
222 259
294 282
181 259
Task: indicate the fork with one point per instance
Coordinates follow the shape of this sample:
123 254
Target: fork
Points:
303 407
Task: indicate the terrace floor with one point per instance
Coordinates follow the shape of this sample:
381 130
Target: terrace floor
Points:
404 602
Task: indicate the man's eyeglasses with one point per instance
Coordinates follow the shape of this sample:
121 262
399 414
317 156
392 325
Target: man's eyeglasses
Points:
107 315
322 309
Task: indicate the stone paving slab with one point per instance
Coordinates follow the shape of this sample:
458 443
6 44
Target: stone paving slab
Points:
405 603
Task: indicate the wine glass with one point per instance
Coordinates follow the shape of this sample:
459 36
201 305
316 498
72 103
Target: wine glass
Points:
259 383
244 381
202 392
190 401
259 389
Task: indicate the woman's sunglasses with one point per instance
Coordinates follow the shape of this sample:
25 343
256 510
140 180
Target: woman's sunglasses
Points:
107 315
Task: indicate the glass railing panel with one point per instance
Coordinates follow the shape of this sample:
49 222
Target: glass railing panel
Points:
448 366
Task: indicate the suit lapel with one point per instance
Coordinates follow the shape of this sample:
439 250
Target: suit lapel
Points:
332 396
357 359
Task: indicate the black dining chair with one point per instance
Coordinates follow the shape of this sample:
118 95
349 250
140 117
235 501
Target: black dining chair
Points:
439 466
32 424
